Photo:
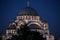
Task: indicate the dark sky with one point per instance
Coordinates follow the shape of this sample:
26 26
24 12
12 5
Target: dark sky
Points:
47 9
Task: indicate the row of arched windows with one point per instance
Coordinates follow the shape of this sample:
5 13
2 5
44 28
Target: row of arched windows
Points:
28 17
10 31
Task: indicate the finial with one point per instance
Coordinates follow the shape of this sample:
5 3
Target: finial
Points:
28 3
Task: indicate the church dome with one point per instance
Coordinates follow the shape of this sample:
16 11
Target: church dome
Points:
28 11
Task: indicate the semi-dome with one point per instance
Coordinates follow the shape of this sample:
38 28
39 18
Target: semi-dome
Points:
28 11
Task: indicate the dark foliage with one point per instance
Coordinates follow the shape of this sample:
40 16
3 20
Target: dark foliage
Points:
0 38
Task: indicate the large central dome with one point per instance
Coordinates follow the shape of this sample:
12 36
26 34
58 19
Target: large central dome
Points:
28 11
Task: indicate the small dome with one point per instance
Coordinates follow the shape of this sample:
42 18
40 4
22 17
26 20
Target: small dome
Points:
34 26
45 21
11 28
28 11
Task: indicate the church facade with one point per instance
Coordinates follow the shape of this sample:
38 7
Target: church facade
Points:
30 17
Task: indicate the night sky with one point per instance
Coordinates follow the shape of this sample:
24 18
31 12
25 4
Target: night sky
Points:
47 9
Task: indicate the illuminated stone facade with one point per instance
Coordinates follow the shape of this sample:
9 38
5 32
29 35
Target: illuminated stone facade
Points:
30 17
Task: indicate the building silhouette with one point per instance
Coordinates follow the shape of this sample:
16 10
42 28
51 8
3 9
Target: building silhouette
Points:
28 21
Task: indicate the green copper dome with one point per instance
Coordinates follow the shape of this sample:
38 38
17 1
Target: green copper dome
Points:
28 11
